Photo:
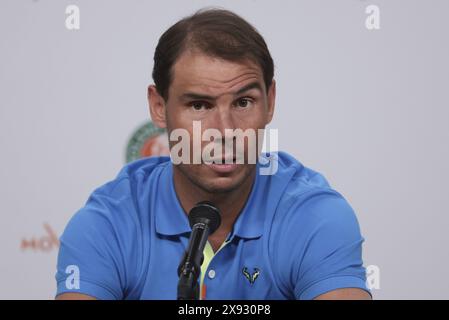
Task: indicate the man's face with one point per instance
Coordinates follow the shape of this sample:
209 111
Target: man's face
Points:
220 95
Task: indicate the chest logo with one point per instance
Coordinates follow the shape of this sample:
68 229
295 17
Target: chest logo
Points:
251 277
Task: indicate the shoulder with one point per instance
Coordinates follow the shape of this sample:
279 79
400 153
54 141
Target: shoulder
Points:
114 206
308 196
314 232
106 237
311 210
132 176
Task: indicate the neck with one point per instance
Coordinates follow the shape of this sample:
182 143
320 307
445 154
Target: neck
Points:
230 203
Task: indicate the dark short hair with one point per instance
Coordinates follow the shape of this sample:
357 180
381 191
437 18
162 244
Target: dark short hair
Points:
215 32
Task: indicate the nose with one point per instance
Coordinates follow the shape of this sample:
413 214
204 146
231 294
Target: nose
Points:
222 119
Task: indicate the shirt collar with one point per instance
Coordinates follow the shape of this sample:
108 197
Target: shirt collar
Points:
170 216
250 222
171 219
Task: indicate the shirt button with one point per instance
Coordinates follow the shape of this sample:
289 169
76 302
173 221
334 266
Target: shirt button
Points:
211 274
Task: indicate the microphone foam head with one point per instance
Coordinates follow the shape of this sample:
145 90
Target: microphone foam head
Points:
205 212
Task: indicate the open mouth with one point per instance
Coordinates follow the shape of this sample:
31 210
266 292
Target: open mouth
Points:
222 161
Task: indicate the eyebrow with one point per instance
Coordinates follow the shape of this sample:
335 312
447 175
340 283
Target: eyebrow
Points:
199 96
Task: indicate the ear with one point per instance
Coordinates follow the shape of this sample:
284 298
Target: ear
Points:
157 107
271 97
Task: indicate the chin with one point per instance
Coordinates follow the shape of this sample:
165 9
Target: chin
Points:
214 183
220 185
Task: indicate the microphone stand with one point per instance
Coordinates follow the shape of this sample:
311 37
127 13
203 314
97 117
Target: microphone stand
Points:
190 266
204 219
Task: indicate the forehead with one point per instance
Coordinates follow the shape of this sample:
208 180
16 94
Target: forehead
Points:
197 70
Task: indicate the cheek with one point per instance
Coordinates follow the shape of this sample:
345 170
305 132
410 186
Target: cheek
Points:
254 118
176 119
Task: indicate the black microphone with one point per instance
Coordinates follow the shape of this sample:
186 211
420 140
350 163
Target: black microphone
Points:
204 219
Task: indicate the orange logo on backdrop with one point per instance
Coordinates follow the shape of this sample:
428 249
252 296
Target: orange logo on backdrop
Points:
45 243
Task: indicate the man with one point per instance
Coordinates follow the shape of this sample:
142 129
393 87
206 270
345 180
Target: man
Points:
288 235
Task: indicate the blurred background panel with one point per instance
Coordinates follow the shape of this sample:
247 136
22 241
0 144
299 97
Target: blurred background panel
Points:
368 108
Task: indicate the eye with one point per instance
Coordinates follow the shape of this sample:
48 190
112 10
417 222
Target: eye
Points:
243 102
198 105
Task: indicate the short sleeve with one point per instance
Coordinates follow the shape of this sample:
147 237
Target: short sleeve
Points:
326 247
89 260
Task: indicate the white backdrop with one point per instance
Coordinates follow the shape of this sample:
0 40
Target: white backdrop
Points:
367 108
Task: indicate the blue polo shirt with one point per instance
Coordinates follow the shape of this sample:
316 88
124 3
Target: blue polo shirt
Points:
296 238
